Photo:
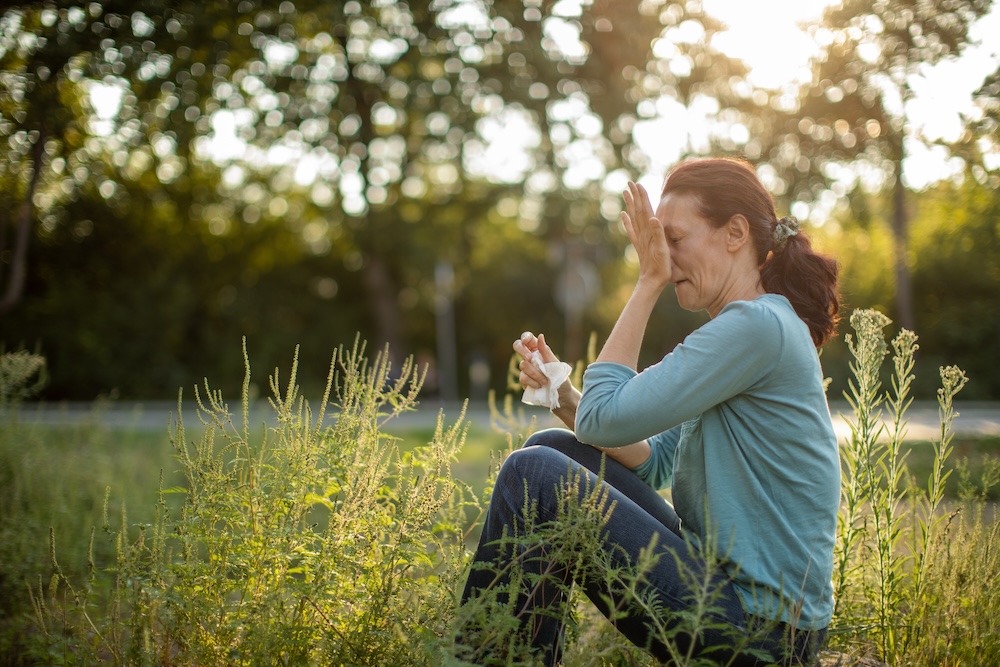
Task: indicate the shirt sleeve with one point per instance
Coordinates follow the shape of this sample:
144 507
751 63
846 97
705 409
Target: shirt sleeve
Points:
721 359
658 470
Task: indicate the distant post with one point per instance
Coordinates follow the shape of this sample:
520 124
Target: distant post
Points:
444 311
576 287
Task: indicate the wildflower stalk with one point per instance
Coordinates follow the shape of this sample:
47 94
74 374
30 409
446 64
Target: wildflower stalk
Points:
882 587
858 455
927 517
886 499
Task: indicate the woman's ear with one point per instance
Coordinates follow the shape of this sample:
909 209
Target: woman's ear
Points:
737 232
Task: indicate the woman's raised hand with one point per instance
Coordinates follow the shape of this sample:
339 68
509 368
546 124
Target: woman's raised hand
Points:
647 235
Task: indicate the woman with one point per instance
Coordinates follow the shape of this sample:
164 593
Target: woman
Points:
734 420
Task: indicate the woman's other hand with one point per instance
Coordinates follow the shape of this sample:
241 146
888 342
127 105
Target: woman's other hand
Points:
647 235
526 345
532 376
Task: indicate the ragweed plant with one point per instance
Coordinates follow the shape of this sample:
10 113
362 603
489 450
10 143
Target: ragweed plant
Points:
315 539
541 569
312 541
956 616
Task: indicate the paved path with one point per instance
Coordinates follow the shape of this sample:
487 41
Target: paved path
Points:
982 419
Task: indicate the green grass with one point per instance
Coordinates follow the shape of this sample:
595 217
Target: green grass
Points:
482 445
57 477
55 485
976 456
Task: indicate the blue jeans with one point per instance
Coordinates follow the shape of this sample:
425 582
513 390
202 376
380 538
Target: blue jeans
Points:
639 513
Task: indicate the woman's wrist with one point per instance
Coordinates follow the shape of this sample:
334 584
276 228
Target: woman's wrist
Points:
652 283
569 400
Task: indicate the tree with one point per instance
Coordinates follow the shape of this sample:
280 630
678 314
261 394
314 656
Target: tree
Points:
852 114
585 76
956 242
214 154
980 143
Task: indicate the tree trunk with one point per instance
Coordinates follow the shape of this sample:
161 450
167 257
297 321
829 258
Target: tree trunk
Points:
900 230
18 270
384 299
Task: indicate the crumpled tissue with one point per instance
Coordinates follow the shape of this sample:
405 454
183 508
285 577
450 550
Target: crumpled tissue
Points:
547 396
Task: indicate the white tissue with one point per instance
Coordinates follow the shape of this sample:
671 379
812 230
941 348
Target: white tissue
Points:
547 396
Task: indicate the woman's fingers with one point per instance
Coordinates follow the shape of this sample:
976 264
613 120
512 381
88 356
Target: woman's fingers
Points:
637 211
629 204
643 204
645 232
530 375
548 356
526 344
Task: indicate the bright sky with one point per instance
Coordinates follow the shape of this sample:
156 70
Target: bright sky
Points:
766 35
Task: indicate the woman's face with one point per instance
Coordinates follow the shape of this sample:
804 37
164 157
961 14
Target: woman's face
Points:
702 268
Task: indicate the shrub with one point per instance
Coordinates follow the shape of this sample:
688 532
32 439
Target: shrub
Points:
22 375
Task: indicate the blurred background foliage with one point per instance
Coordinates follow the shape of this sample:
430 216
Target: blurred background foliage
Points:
438 176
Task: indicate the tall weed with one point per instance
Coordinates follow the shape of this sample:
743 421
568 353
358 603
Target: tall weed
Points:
301 543
914 579
56 478
22 375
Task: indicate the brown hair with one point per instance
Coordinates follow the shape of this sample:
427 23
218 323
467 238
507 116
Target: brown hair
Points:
726 187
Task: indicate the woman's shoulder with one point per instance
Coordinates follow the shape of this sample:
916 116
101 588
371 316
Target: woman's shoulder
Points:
769 312
767 320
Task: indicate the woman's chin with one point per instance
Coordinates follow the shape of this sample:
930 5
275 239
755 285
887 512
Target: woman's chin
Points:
684 297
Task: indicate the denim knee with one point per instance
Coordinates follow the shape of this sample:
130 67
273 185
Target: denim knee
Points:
551 437
533 463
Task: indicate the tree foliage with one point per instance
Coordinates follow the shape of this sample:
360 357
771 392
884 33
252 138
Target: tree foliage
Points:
317 162
849 122
177 175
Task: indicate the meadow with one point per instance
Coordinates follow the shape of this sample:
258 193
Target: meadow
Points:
330 535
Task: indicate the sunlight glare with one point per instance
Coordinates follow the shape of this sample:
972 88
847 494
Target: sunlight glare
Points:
768 37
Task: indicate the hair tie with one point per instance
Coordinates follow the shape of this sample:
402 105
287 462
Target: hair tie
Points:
784 229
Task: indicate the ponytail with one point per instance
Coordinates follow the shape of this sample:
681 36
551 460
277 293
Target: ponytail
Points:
809 281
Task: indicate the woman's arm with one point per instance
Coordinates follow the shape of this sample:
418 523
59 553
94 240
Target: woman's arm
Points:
625 340
630 456
569 401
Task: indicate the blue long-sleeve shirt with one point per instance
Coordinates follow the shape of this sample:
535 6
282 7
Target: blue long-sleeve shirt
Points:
739 427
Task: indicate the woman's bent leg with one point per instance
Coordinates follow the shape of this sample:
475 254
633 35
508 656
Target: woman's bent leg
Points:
615 473
670 584
530 478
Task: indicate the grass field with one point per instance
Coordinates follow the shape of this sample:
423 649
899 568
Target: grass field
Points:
60 483
59 476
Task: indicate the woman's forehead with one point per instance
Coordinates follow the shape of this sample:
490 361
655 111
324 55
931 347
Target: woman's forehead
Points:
678 208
